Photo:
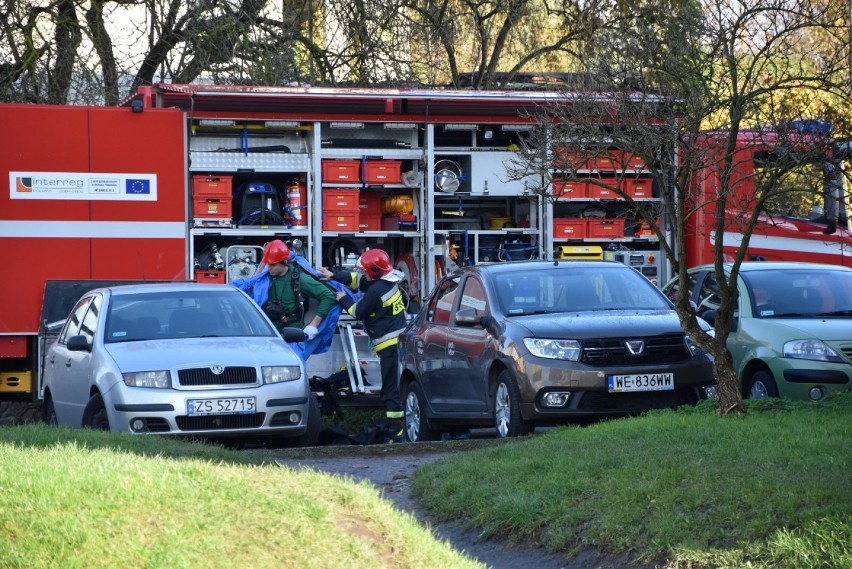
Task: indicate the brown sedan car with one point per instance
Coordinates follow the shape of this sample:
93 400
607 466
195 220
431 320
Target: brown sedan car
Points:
540 342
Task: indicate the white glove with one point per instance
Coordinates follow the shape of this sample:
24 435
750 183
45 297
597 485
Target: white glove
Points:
310 331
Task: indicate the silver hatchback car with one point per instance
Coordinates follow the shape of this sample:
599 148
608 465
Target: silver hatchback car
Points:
178 359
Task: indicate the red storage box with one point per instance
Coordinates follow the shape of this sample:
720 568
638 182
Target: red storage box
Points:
214 277
637 188
602 193
382 171
341 199
570 189
340 221
606 228
211 207
568 228
370 216
347 171
212 186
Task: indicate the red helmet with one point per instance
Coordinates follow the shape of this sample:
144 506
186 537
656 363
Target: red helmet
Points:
375 263
275 252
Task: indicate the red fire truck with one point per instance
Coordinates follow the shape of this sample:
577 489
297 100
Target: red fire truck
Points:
188 182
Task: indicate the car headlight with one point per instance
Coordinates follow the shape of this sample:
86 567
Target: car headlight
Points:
279 374
156 379
812 349
554 349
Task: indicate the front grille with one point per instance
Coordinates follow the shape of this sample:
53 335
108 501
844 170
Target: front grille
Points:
846 350
220 422
637 402
204 376
613 351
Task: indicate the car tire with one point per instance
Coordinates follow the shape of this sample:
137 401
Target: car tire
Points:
417 428
761 384
48 414
310 436
507 409
95 414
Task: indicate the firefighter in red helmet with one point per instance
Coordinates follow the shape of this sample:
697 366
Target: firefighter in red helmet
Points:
281 290
382 310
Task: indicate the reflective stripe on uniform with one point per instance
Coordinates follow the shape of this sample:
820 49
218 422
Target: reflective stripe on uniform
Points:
381 345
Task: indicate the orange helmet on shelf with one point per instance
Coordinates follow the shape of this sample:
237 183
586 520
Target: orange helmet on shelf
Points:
375 263
275 252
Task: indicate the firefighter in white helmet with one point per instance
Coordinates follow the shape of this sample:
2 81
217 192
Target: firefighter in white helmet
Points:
382 310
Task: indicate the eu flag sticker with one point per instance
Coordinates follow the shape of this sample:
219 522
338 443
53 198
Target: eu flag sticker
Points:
136 186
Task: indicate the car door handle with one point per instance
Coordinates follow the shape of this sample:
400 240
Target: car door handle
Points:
68 363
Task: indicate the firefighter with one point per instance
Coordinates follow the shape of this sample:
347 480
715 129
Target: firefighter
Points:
382 310
281 291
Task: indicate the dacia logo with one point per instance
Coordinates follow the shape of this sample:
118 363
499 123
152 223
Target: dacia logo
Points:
218 370
635 347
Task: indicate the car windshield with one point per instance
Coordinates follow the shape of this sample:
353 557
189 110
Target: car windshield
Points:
569 288
800 293
183 314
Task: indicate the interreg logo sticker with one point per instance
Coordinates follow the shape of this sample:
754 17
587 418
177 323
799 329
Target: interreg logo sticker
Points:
137 186
83 186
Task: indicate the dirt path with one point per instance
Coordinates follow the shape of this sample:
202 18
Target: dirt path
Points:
390 470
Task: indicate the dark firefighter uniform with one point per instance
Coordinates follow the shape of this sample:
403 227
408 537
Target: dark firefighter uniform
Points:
382 310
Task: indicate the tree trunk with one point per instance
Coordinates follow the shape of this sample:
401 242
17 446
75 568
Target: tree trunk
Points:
727 386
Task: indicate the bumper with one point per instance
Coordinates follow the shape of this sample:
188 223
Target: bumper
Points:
589 395
796 378
281 410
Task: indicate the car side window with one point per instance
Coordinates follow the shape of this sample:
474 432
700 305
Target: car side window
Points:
72 326
473 296
708 297
443 301
90 321
673 287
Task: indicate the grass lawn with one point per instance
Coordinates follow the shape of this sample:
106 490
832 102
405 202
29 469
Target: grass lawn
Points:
678 489
682 489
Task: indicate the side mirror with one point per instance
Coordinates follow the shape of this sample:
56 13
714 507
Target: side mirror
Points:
293 335
78 344
470 318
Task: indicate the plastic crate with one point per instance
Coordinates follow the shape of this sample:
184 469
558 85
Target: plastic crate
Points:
215 277
600 193
212 207
340 220
341 199
567 189
605 228
347 171
382 171
569 228
212 186
637 188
